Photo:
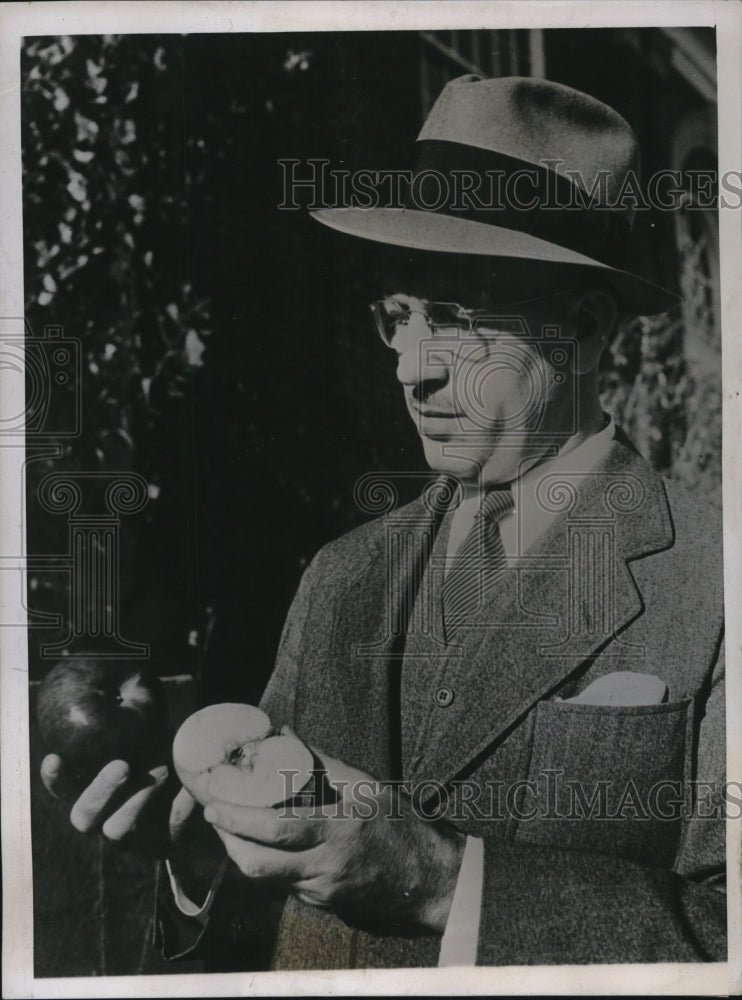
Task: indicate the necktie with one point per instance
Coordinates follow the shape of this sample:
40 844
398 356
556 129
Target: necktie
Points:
479 563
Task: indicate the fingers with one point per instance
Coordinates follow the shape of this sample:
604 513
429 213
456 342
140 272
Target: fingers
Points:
54 778
266 826
94 802
123 822
257 861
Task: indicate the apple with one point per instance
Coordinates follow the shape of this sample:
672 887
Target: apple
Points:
231 753
93 711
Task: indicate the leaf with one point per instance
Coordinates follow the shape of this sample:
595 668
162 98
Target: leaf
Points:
87 129
129 132
61 100
77 187
194 348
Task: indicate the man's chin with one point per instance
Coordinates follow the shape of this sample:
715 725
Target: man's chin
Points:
445 456
477 465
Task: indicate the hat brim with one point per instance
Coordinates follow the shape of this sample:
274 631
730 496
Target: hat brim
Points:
431 231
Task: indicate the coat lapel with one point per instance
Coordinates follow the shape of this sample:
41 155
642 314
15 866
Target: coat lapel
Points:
569 598
359 715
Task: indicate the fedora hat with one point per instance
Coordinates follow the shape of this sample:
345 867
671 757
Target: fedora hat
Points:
523 170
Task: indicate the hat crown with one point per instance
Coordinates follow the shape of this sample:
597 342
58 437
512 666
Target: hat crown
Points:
538 122
550 167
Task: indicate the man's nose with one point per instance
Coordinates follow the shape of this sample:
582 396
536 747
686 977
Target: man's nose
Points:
420 358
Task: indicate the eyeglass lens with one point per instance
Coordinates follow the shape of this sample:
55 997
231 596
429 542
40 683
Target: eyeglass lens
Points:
443 319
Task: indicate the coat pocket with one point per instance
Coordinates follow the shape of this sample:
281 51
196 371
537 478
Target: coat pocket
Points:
610 779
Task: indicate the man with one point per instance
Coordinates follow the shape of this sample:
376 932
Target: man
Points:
515 682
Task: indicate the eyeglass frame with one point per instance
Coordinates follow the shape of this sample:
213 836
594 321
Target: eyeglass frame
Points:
471 315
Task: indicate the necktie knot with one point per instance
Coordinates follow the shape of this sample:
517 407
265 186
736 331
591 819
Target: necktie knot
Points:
496 504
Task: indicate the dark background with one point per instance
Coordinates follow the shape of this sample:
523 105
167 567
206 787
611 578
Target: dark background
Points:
227 354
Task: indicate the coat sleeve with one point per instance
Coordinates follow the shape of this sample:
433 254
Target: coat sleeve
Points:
550 905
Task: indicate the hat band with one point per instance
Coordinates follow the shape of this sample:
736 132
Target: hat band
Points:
452 178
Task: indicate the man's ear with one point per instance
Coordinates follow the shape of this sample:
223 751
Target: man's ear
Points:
594 319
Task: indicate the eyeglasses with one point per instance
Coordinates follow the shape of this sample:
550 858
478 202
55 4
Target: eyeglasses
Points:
449 319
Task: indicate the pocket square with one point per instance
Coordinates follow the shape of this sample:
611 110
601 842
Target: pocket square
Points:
623 687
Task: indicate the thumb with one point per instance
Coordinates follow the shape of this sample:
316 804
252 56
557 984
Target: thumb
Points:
56 779
180 812
337 770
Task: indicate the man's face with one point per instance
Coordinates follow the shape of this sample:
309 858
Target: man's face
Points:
493 391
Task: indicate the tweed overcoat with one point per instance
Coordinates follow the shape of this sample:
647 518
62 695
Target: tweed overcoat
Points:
603 825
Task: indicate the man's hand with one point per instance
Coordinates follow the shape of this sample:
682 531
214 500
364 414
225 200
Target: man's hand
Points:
369 857
150 815
128 812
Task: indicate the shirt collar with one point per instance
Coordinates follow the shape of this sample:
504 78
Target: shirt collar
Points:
529 518
581 458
